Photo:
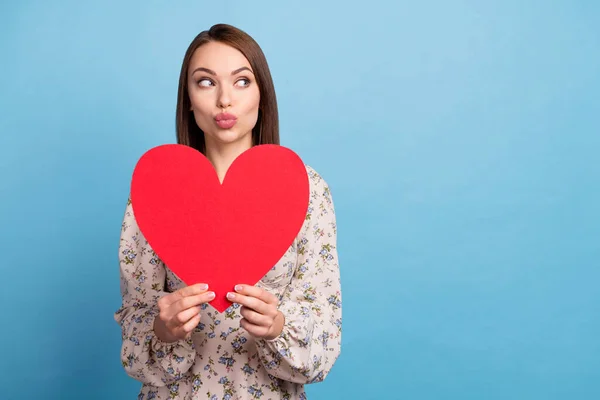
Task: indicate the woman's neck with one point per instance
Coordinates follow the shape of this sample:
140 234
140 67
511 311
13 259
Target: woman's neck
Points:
222 156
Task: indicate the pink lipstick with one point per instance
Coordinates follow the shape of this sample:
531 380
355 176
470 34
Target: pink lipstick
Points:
225 121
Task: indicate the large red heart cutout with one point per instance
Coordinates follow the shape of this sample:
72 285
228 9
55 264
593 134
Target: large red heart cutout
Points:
220 234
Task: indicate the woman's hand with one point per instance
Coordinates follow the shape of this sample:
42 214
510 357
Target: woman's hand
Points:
179 312
261 318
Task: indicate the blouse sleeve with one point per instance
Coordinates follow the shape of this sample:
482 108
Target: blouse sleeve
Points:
142 275
310 342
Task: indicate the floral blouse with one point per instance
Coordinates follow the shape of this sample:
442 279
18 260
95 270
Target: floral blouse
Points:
221 360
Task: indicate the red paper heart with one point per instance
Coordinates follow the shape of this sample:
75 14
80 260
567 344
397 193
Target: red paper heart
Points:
220 234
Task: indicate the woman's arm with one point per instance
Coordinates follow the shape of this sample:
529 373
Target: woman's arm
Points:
310 342
144 356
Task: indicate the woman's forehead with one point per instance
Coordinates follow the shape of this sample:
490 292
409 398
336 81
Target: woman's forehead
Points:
218 57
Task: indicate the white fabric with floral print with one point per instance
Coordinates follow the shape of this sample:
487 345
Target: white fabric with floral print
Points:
221 360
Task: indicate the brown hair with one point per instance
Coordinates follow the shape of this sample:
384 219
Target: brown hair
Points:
266 130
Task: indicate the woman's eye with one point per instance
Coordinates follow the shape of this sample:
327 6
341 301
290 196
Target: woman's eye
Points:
243 82
204 82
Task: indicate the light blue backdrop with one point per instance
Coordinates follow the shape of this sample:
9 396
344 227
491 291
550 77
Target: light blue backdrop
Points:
460 140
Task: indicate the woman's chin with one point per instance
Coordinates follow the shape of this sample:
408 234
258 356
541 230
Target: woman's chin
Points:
230 136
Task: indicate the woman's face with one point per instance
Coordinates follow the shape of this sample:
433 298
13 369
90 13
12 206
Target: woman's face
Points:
223 93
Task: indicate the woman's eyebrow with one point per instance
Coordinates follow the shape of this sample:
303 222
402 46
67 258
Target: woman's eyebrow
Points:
237 71
210 71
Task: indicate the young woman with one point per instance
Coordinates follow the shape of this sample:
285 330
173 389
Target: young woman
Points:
279 334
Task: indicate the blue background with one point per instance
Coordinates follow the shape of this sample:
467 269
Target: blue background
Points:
460 140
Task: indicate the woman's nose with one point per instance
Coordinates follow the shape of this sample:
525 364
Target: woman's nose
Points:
224 99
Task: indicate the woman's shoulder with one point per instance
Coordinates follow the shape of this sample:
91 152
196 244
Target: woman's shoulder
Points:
315 179
317 184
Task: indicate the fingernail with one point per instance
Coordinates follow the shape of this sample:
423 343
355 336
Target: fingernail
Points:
230 296
204 286
211 295
238 288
